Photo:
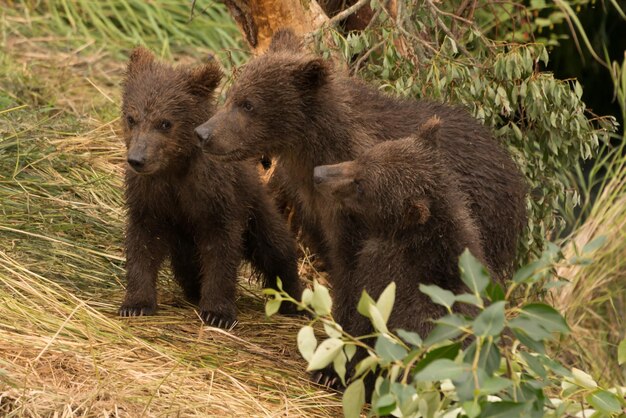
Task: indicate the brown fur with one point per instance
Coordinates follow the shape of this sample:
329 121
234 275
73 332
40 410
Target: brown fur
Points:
293 106
205 215
416 223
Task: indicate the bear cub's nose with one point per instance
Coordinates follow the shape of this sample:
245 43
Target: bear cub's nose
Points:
320 174
136 163
203 133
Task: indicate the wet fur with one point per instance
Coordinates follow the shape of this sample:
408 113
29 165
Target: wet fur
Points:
417 223
203 214
305 114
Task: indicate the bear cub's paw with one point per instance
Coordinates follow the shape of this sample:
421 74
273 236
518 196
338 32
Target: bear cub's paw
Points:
218 319
328 378
128 310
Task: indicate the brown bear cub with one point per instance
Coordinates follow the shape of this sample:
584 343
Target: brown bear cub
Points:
293 106
417 223
204 214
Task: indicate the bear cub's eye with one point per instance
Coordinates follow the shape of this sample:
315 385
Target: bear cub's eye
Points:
247 106
359 187
165 125
130 120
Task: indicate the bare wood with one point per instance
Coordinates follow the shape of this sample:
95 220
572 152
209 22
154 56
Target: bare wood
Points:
259 19
345 13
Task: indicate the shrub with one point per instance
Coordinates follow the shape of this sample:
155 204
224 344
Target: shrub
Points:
494 364
421 51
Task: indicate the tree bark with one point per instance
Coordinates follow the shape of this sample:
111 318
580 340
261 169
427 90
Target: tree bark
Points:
259 19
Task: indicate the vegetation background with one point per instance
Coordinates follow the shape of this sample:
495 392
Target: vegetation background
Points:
62 348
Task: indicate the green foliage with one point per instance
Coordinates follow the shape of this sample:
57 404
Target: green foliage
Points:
424 53
493 365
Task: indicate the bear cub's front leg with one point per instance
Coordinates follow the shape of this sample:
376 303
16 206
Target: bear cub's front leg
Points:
145 252
220 257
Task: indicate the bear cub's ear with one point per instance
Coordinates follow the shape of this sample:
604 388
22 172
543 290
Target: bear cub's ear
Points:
139 58
285 39
204 79
431 126
311 73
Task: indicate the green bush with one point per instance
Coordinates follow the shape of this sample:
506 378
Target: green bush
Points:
423 52
502 369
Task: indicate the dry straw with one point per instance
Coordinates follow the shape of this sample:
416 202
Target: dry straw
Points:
63 350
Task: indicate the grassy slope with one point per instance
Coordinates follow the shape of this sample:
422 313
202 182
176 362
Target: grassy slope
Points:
62 348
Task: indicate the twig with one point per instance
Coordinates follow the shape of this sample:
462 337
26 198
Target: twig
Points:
373 19
366 55
459 12
574 34
452 15
350 10
408 35
460 9
444 28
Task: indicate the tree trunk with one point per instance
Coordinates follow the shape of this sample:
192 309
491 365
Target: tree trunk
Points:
259 19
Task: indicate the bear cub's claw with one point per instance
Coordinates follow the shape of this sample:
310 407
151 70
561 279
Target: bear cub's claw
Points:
218 320
328 378
136 310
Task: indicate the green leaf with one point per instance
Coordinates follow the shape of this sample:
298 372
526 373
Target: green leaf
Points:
583 379
350 350
446 352
364 304
494 292
546 316
442 369
332 330
412 338
526 274
325 354
385 404
594 245
353 399
377 319
471 408
307 296
306 342
389 350
469 298
490 322
505 409
339 364
621 352
534 364
530 327
386 300
523 337
364 365
438 295
489 357
448 327
321 301
473 273
605 401
272 306
494 384
555 366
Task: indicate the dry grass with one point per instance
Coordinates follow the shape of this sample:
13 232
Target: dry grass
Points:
63 350
595 300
